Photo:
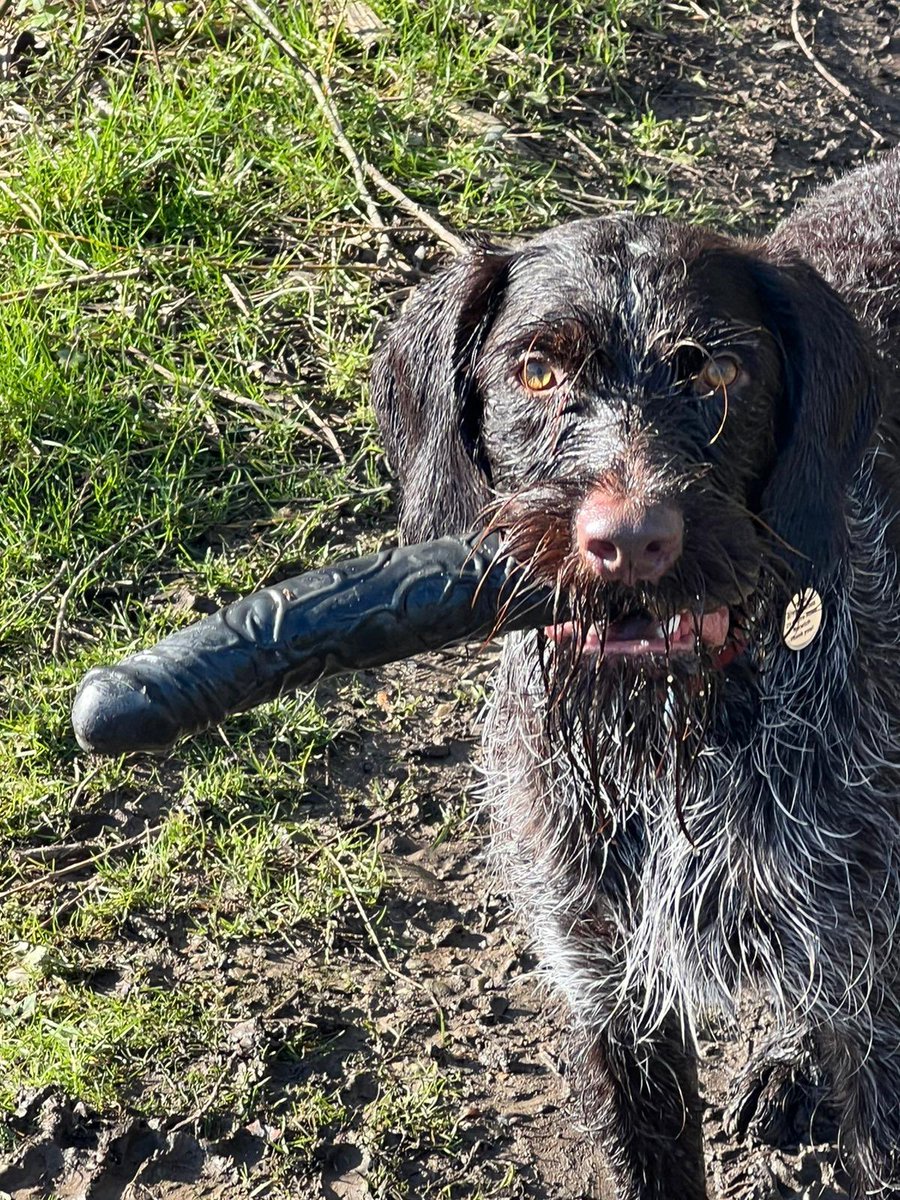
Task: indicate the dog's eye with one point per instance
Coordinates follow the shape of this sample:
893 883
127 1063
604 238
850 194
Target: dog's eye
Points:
717 374
537 374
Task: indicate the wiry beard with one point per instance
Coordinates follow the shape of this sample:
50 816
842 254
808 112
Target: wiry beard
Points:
625 721
622 723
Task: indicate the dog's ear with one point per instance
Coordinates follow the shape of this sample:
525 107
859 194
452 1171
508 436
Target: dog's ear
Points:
830 408
426 399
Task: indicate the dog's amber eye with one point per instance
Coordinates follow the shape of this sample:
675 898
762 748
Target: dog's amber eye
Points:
537 374
718 373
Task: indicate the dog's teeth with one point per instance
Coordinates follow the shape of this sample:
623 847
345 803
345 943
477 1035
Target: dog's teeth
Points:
658 633
674 624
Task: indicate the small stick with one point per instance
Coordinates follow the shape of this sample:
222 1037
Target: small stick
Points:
235 293
441 232
46 853
52 876
49 586
230 397
839 87
382 957
227 1073
200 385
91 57
264 21
71 281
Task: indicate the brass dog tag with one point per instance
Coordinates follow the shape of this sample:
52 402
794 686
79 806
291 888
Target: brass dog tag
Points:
802 619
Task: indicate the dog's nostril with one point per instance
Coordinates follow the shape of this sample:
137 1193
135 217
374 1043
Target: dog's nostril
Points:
605 549
654 547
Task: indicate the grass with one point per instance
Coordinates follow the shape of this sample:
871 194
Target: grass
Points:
189 294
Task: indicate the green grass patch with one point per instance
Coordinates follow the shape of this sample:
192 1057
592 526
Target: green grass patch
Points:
105 1049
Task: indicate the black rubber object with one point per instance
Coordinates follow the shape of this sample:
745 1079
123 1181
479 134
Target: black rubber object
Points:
357 614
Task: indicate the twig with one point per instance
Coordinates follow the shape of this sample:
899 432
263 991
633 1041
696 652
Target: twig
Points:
251 9
808 51
32 600
148 30
235 293
441 232
199 385
226 1074
695 8
839 87
71 281
46 853
382 957
52 876
360 908
92 56
230 397
320 423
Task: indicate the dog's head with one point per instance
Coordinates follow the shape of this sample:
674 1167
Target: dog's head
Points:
663 420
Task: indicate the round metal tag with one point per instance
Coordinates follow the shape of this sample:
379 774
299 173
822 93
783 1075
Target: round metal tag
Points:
802 619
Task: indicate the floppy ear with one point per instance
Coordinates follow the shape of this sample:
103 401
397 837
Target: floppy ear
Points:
830 410
426 399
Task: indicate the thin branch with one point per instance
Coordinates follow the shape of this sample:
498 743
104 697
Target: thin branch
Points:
261 18
358 166
52 876
71 281
91 58
382 957
361 909
839 87
325 433
441 232
199 385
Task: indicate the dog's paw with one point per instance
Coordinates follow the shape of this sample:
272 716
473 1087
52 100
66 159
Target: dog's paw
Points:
780 1098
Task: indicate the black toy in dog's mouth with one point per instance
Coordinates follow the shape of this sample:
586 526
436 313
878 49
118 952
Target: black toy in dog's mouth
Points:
363 613
349 616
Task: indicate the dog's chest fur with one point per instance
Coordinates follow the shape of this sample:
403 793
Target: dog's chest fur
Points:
736 874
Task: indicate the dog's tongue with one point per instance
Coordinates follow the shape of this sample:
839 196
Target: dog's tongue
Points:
714 627
640 634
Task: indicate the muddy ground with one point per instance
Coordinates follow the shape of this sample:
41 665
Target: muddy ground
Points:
775 128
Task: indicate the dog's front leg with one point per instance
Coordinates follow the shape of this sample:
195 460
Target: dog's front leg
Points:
864 1060
643 1101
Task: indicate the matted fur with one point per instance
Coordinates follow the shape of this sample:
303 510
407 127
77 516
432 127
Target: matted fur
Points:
680 834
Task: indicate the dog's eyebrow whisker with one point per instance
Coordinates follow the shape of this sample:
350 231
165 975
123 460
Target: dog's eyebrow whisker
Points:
721 428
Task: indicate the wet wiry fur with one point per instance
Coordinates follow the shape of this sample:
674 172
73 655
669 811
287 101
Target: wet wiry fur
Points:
679 836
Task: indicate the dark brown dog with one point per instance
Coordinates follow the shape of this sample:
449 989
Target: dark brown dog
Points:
695 792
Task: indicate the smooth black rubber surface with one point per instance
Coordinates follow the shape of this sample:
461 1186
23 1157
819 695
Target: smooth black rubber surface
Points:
360 613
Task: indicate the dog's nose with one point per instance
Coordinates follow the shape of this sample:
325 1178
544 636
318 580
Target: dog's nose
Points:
628 542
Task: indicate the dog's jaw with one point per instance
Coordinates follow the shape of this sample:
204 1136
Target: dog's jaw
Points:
635 637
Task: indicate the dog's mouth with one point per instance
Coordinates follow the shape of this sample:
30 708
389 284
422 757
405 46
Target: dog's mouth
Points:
640 634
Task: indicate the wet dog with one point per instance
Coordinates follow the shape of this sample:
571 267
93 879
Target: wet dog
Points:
693 779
